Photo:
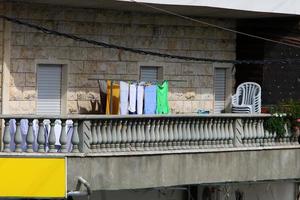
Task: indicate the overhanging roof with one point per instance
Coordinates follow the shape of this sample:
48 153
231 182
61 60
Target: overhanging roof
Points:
206 8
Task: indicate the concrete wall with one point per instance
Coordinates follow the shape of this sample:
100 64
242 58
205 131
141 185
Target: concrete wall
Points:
259 191
129 172
161 33
249 191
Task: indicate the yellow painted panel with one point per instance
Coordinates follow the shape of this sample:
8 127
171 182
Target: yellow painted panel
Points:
32 177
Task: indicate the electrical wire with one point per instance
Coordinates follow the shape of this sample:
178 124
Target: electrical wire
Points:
213 25
143 52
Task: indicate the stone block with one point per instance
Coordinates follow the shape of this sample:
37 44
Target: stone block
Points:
73 80
17 79
102 67
187 107
76 67
120 68
29 93
30 79
22 107
83 81
23 65
72 94
90 67
173 69
78 53
132 68
72 107
15 93
111 54
95 53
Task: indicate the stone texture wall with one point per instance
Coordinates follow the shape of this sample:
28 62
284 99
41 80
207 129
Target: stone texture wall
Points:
2 10
157 32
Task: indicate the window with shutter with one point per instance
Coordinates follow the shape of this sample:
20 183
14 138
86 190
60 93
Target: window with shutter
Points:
148 73
49 89
219 89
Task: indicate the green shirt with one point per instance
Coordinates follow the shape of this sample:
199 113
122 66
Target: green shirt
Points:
162 105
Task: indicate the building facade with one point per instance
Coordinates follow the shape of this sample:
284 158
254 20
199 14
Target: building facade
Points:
52 122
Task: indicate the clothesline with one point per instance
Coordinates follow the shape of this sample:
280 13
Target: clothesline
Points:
127 80
139 80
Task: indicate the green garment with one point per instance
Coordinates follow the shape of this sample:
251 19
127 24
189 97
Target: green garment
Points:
162 105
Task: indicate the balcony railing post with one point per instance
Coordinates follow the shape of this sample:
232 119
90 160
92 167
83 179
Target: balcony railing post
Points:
129 134
30 136
114 135
103 145
85 135
75 138
138 134
94 136
6 136
18 136
171 134
133 134
52 138
99 136
41 137
147 134
63 137
118 134
231 132
124 135
109 145
238 132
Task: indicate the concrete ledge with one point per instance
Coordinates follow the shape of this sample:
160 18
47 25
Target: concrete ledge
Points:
144 171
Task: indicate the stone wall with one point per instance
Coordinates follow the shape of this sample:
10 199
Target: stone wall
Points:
157 32
2 8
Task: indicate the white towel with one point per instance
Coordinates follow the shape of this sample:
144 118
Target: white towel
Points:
132 98
124 87
140 98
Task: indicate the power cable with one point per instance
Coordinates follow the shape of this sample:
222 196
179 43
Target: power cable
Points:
214 25
143 52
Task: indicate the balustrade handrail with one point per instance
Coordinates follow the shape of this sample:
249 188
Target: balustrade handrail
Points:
123 133
94 116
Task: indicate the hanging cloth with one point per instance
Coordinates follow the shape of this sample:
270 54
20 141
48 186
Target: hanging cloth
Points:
140 98
115 99
162 98
150 99
103 96
124 94
132 98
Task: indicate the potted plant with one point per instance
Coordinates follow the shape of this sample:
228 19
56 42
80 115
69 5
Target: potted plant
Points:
286 113
293 113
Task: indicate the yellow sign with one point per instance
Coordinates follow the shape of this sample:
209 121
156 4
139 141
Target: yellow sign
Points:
33 177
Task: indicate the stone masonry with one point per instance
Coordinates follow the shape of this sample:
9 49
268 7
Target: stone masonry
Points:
154 32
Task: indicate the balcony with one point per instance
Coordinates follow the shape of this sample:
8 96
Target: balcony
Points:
126 152
92 134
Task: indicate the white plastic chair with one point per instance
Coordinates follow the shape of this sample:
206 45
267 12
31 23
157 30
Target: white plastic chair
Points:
247 98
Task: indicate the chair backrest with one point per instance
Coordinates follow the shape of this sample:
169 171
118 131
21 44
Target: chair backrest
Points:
249 93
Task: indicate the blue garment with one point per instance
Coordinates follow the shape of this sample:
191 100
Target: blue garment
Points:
150 99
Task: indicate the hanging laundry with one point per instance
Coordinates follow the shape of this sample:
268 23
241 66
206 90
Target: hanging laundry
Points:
124 94
115 98
140 98
162 98
150 99
103 96
132 98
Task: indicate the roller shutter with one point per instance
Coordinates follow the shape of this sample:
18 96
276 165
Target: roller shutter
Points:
219 89
49 89
149 73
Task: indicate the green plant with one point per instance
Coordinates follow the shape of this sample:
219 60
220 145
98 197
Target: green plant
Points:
276 124
285 114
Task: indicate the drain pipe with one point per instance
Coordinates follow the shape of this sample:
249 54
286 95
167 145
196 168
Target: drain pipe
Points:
77 192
